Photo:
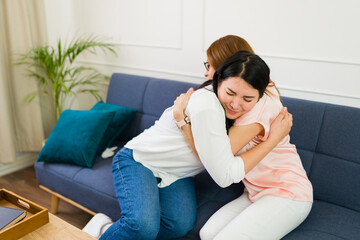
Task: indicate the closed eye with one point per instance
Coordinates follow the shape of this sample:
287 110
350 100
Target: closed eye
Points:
248 98
230 92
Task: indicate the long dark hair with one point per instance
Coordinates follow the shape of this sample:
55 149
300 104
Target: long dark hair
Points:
246 65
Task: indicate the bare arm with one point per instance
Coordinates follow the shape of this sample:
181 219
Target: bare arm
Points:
242 135
279 129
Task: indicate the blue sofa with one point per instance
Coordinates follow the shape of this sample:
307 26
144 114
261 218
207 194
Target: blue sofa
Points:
327 137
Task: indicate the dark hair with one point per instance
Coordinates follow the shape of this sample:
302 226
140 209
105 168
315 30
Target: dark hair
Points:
246 65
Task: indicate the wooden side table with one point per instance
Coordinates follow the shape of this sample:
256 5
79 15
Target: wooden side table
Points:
57 229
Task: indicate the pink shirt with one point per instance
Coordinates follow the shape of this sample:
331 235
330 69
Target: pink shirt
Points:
281 172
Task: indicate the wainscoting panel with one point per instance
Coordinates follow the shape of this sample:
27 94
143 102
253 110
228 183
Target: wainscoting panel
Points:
145 23
319 30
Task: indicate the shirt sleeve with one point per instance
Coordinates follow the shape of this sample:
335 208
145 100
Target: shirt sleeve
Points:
212 142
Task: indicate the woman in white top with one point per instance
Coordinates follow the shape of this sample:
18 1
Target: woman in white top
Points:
152 173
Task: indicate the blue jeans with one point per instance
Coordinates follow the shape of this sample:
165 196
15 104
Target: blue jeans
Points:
149 212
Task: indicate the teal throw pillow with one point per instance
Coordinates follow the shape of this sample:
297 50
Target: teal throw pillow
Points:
76 137
123 116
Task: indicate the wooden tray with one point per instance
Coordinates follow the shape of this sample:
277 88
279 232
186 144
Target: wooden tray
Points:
36 215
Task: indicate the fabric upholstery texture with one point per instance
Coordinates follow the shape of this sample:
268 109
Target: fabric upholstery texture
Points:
76 137
122 117
91 187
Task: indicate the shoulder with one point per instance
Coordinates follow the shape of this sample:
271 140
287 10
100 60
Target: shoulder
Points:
272 101
265 110
269 103
204 102
205 99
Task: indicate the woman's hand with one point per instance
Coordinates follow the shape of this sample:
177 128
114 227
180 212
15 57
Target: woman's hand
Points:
281 126
279 129
180 105
179 114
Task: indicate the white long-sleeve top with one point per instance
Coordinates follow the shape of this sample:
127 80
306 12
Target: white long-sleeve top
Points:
163 149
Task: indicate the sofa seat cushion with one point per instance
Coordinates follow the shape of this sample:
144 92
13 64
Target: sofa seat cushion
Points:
310 234
210 197
90 187
328 221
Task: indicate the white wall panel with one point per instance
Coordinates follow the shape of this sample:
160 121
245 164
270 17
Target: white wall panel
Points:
309 29
320 81
311 46
147 23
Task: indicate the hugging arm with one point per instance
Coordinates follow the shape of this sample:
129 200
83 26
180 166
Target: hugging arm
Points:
279 129
212 142
239 137
179 113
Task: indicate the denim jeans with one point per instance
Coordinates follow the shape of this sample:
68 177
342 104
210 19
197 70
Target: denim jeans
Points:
149 212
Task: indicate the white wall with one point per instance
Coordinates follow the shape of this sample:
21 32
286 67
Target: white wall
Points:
311 46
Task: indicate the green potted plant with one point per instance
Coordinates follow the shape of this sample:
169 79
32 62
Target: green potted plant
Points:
57 75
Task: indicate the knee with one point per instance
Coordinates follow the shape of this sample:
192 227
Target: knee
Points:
175 229
144 228
181 228
206 233
186 222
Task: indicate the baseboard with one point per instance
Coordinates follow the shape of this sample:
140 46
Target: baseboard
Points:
23 160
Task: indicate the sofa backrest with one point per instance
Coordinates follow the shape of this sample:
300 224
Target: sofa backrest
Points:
327 136
151 96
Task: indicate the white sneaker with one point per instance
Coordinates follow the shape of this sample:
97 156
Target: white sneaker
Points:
95 227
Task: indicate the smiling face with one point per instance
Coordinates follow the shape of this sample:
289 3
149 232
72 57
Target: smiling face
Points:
237 97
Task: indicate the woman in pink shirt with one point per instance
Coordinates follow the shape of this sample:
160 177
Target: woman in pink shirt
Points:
278 194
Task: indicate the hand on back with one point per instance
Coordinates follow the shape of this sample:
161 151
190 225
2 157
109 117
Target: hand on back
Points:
180 104
281 125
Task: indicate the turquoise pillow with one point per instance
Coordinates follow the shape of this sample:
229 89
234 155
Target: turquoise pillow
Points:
123 116
76 137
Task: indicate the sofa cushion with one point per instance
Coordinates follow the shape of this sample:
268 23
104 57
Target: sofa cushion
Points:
328 221
90 187
336 180
160 94
210 198
76 137
150 96
122 117
307 122
127 90
338 138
